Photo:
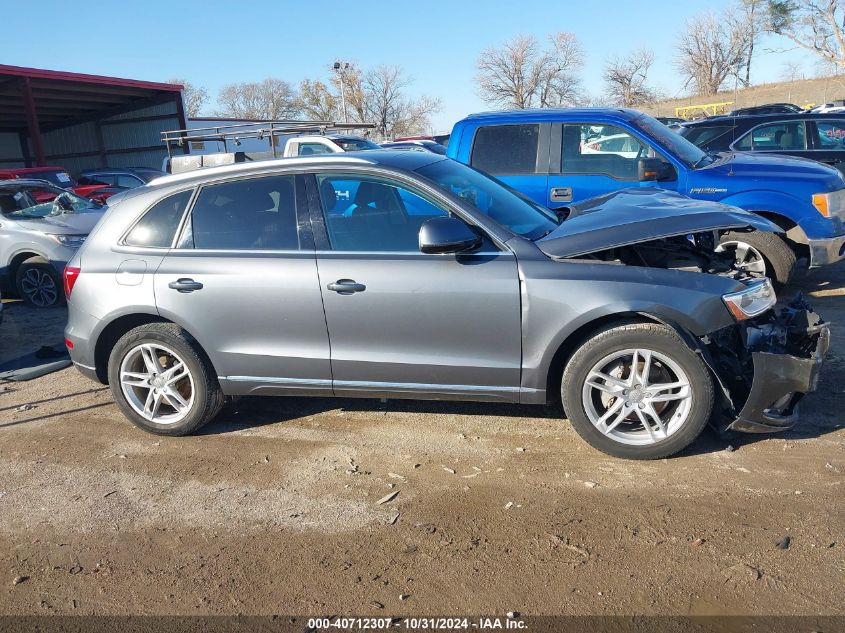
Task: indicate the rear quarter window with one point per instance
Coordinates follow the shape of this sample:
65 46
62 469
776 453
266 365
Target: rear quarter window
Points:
506 150
157 227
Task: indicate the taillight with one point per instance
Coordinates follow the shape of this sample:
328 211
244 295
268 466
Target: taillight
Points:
70 277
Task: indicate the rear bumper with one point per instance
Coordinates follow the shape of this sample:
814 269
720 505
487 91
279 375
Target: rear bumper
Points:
780 378
826 251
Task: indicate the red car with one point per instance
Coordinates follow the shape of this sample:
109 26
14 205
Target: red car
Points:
58 176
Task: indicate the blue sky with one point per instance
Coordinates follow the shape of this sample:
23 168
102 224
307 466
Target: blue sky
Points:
213 43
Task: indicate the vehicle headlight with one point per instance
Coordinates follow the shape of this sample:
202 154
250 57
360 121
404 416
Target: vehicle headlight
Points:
754 300
71 241
830 204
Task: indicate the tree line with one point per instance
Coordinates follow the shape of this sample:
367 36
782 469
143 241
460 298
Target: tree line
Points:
348 94
711 50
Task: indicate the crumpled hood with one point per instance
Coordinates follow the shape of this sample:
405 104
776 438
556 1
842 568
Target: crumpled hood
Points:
631 216
760 167
67 224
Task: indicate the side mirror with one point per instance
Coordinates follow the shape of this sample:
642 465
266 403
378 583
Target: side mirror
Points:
447 235
649 169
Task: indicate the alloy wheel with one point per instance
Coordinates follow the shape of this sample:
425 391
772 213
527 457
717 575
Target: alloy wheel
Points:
747 258
157 383
39 287
637 396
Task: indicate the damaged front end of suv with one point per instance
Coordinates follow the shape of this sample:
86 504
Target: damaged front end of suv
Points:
768 358
766 364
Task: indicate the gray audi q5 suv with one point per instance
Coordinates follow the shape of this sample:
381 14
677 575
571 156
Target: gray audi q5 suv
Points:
408 275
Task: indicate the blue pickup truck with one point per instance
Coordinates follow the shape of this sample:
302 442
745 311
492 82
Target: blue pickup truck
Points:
559 157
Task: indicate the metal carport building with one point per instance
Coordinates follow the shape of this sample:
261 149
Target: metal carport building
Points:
79 121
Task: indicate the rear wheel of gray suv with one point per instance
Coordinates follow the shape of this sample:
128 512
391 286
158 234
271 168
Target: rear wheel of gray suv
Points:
637 391
162 381
39 284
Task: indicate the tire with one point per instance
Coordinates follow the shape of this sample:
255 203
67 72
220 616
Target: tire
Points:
671 361
39 284
778 256
182 402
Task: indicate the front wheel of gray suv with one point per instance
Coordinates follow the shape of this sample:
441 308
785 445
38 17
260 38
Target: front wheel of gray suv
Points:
637 391
39 284
162 381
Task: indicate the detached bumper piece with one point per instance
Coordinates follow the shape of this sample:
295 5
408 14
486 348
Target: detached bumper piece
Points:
826 251
777 361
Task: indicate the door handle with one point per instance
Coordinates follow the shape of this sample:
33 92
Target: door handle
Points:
185 285
561 194
346 287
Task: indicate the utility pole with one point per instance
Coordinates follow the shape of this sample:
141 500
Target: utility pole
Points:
340 67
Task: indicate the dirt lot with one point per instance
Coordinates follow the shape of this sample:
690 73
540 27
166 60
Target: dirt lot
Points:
273 509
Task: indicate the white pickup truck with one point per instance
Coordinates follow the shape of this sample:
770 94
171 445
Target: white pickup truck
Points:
302 145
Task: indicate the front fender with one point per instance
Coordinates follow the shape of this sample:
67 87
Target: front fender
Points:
801 212
564 300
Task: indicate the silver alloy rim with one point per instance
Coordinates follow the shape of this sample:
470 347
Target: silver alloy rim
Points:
156 383
746 256
637 396
39 287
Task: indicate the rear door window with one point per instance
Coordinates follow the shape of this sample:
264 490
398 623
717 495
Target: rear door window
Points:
157 227
831 134
506 150
250 214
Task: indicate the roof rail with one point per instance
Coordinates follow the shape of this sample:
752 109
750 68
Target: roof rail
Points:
235 132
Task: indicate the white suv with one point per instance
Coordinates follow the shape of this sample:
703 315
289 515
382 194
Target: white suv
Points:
41 227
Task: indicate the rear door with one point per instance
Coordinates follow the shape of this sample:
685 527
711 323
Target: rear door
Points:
242 279
516 154
828 139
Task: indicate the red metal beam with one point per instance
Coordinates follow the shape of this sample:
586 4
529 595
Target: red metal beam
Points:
40 73
32 121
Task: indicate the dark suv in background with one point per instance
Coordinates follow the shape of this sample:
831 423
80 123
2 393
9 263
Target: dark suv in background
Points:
122 178
819 137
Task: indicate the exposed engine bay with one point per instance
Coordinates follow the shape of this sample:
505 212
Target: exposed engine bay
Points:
695 252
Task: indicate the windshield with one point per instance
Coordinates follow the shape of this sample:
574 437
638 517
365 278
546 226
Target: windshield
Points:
54 177
675 143
492 198
355 144
40 201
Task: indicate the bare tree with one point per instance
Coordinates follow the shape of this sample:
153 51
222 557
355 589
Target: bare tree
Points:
792 71
271 99
626 78
748 23
194 97
316 100
710 49
386 104
522 74
814 25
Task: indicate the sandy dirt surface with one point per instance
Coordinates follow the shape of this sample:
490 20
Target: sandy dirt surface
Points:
274 509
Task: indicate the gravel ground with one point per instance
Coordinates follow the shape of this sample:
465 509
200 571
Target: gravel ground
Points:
275 508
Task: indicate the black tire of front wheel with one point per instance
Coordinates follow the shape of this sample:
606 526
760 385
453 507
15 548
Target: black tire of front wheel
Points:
43 267
778 255
208 397
654 336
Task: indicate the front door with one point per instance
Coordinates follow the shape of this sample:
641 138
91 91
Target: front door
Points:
403 323
592 159
243 279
